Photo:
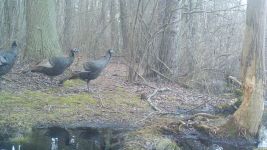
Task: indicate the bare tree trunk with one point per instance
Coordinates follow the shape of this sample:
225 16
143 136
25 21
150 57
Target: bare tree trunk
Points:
114 25
12 24
248 116
83 16
102 25
42 37
60 10
124 22
185 43
69 27
168 46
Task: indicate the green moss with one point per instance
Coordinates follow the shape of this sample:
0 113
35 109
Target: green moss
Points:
238 102
21 139
166 144
74 83
25 109
120 97
238 92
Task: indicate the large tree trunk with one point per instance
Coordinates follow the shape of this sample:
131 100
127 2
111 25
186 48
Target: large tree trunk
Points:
60 10
186 38
42 37
12 22
102 25
83 22
68 26
114 25
124 22
248 116
168 46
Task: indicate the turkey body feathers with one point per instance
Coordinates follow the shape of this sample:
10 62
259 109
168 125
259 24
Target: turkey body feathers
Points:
8 58
92 69
55 65
98 64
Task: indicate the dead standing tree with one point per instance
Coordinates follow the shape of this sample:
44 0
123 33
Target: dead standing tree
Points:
248 117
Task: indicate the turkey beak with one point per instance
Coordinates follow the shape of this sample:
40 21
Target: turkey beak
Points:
111 51
76 50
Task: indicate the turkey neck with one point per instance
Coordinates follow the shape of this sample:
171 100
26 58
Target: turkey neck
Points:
108 56
71 56
14 49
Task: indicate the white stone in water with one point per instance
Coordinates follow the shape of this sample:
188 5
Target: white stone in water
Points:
216 147
72 140
54 144
262 137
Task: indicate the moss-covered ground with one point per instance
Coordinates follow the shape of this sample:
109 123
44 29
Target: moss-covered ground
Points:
22 110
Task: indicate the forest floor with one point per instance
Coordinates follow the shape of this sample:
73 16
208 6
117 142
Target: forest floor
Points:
30 100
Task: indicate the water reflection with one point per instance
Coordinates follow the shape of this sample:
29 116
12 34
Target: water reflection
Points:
54 144
73 139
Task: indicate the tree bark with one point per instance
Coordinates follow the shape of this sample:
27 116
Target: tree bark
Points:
42 37
249 114
127 49
114 25
12 22
60 10
124 24
168 46
186 38
68 26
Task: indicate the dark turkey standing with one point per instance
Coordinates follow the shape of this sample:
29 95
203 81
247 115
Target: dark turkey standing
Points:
8 58
56 65
92 69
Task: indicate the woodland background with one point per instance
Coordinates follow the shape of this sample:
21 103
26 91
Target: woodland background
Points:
197 43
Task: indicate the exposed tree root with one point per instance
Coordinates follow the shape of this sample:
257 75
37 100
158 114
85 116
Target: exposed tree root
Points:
231 128
200 122
205 128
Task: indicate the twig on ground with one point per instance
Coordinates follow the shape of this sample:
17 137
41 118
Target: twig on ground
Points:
206 102
206 115
9 80
146 117
153 94
169 113
146 84
235 80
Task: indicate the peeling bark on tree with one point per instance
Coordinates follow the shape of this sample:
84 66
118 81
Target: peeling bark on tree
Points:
248 116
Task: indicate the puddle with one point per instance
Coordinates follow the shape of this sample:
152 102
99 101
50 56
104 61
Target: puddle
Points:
56 138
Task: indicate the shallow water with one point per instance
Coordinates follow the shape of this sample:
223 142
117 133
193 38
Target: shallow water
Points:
263 129
61 139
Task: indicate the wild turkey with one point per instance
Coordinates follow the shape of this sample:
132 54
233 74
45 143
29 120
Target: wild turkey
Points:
8 58
92 69
56 65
